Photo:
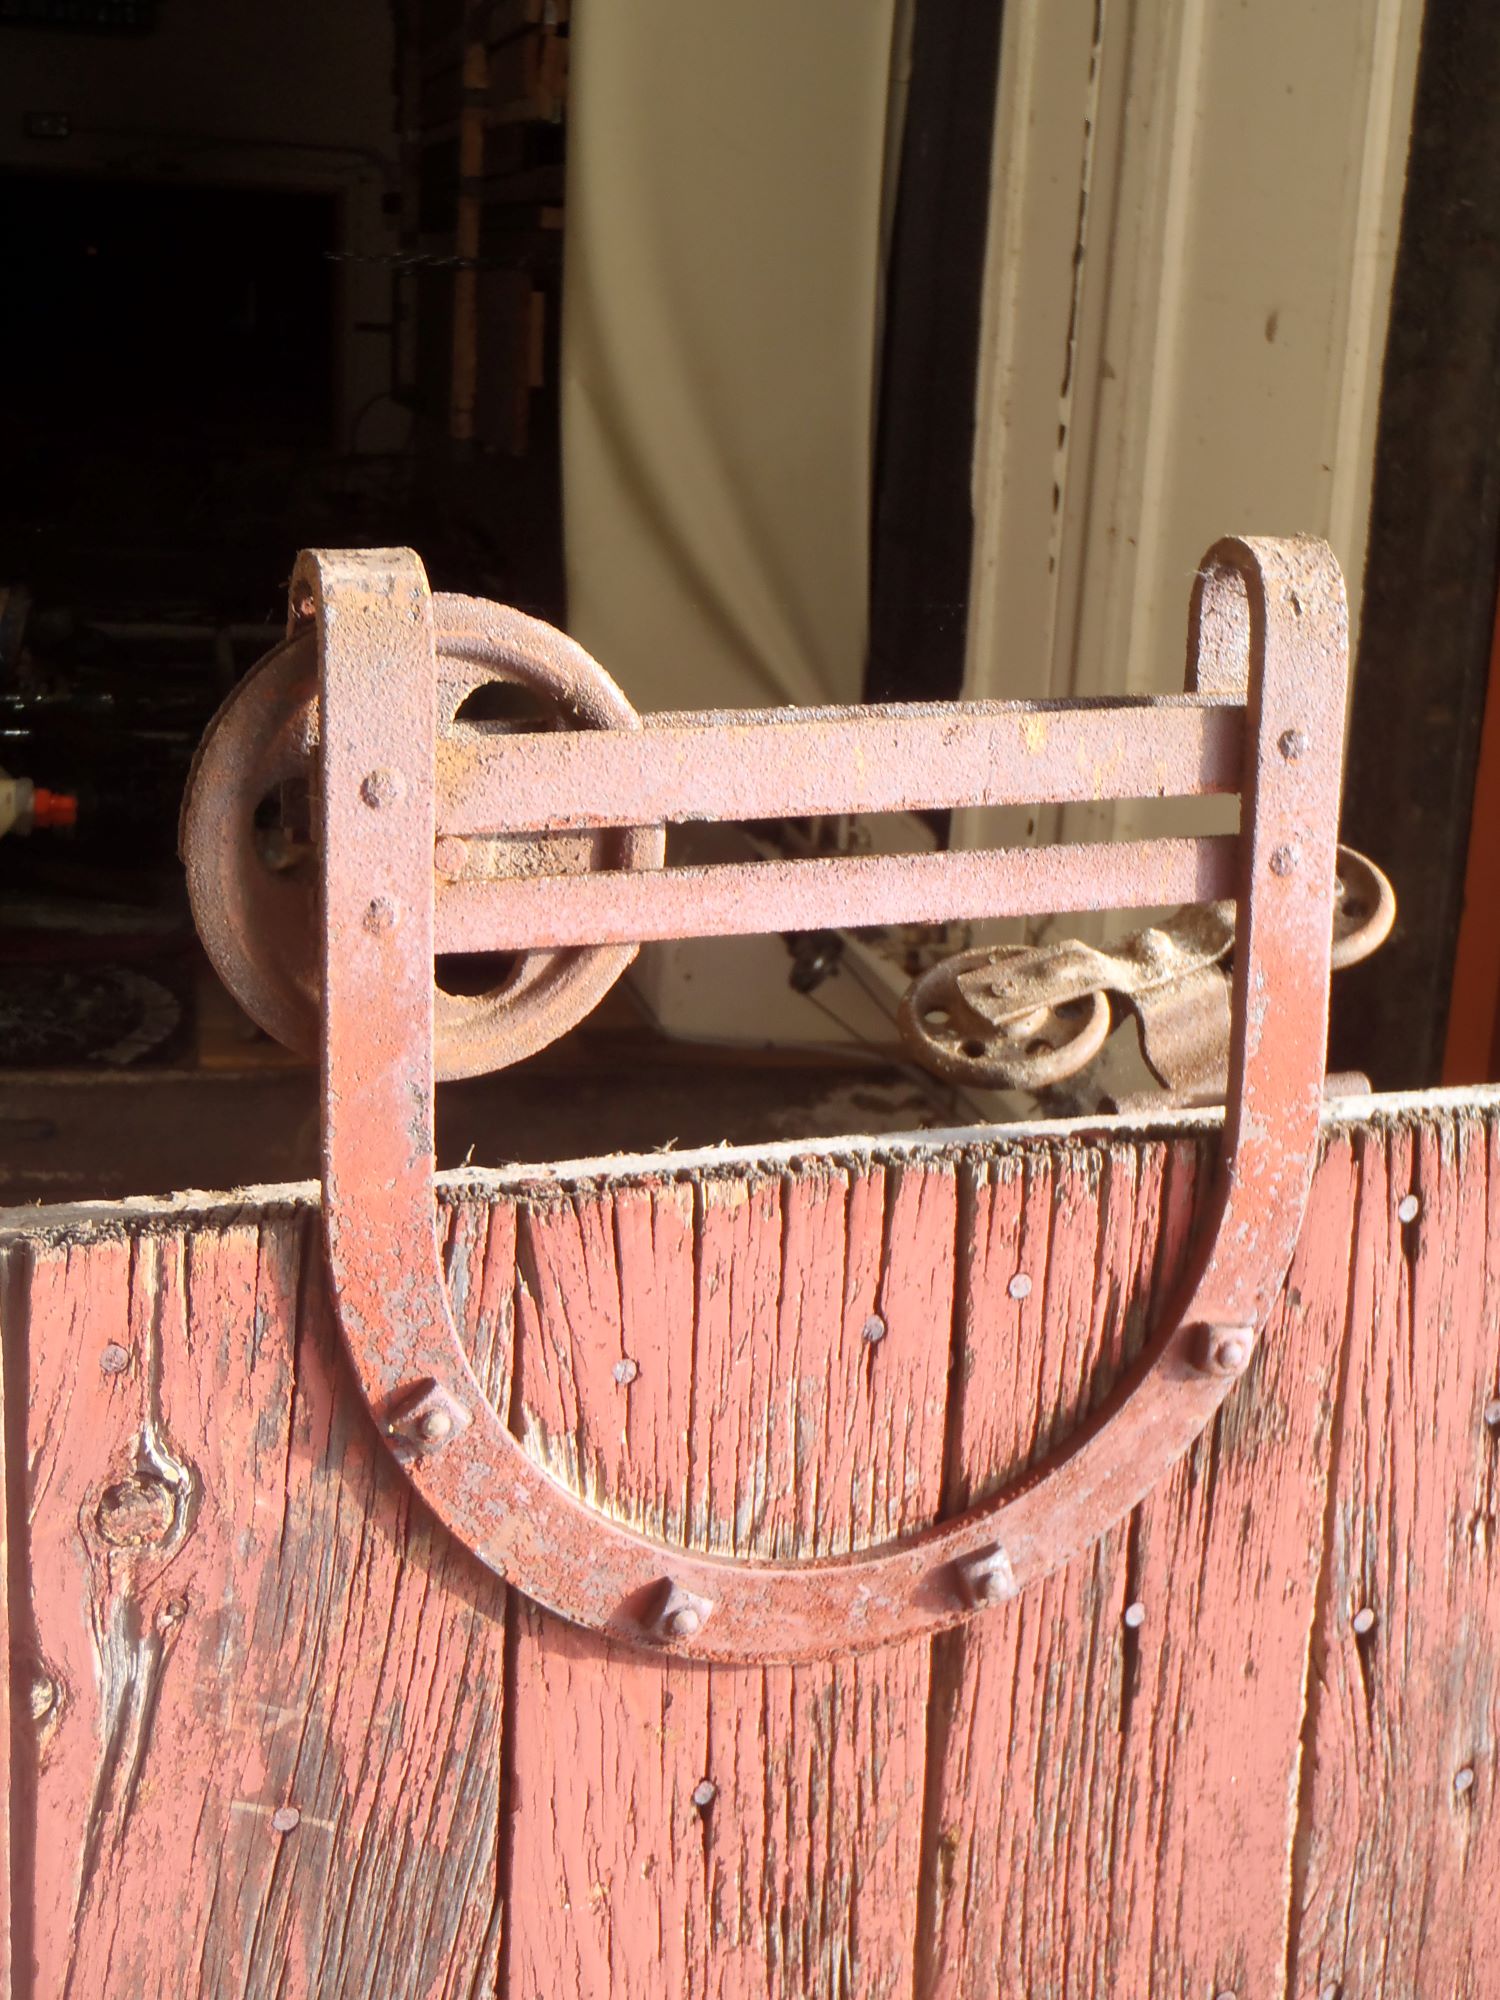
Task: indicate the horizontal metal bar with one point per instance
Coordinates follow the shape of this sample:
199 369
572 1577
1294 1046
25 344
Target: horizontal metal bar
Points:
791 763
744 899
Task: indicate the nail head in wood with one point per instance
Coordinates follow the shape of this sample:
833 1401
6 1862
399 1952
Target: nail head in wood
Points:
1408 1208
286 1819
873 1331
704 1794
626 1370
1463 1781
1019 1286
1135 1616
115 1359
1364 1620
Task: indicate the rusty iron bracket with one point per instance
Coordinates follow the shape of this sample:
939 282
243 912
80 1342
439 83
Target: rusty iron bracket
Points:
429 833
1029 1017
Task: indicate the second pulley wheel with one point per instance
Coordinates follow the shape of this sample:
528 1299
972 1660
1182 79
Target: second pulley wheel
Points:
248 833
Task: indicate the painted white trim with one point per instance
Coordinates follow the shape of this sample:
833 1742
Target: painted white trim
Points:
1193 226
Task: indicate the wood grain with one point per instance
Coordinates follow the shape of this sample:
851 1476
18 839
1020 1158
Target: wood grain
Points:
276 1682
224 1604
1400 1852
1140 1839
747 1830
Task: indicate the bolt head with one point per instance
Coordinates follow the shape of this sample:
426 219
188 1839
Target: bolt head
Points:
677 1613
1226 1350
115 1359
987 1576
382 914
1292 743
428 1418
1284 859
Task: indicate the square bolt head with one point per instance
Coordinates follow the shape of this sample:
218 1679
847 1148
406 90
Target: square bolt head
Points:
676 1614
986 1577
427 1418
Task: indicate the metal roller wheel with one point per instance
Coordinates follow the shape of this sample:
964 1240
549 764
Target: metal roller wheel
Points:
248 828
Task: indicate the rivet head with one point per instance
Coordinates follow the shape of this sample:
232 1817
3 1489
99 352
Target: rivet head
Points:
704 1794
451 854
1364 1620
115 1359
382 914
1019 1286
873 1331
987 1576
1226 1350
626 1370
381 788
1292 743
427 1418
286 1819
677 1613
1408 1208
1284 859
1134 1616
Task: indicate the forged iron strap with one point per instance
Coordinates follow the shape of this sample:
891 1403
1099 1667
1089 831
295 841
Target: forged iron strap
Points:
416 803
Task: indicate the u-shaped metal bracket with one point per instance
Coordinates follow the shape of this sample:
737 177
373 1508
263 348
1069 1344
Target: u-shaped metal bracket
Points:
1263 716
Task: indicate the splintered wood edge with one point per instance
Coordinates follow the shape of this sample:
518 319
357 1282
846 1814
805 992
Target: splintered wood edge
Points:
78 1221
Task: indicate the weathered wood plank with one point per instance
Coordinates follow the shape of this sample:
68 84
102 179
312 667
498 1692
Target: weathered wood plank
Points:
1400 1847
771 1839
226 1604
278 1686
1139 1839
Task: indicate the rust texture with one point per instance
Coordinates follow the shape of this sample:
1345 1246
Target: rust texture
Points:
1027 1017
381 817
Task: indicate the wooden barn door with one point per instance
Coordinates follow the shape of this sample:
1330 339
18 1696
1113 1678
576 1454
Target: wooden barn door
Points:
275 1733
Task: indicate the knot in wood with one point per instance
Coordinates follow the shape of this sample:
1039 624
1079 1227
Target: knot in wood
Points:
137 1513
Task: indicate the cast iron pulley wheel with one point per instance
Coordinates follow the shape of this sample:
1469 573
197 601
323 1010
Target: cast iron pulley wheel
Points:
1031 1049
248 837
